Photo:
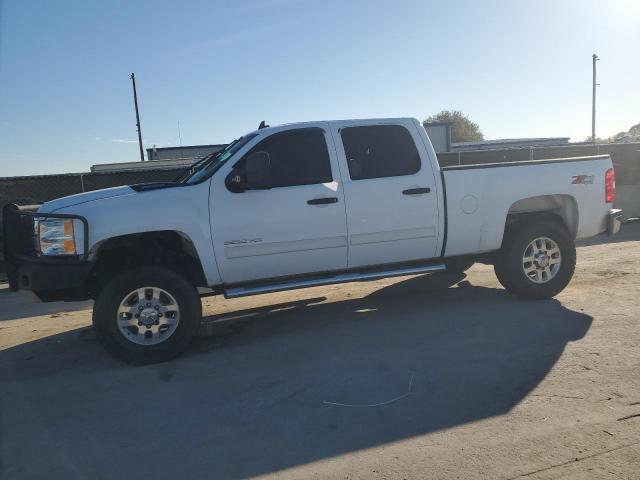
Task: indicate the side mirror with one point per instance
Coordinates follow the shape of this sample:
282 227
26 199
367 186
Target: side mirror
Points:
236 182
254 173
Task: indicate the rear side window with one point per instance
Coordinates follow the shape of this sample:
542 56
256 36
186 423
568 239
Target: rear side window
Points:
298 157
378 151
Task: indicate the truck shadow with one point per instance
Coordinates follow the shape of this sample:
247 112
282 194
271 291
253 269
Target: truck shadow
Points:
13 305
273 388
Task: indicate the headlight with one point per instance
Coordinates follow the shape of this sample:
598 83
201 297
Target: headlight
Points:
56 237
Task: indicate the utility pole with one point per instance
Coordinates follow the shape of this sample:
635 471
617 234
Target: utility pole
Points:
135 101
593 104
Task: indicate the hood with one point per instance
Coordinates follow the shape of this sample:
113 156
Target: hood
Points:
71 200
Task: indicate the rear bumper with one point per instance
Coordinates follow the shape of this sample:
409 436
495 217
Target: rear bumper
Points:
614 221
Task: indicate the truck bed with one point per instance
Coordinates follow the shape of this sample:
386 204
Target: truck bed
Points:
480 197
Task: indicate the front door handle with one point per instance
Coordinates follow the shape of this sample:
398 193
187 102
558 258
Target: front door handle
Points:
416 191
322 201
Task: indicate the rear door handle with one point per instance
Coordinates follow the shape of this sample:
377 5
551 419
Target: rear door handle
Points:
416 191
322 201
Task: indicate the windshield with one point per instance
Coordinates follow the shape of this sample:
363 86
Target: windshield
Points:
210 164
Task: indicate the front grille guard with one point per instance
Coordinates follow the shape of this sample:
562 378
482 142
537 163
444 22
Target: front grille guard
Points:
19 237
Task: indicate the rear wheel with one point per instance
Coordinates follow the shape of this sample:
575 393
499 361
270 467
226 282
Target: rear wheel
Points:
537 260
147 315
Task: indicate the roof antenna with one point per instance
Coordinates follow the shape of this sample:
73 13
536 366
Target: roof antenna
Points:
262 125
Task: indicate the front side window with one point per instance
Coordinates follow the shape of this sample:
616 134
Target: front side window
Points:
298 157
378 151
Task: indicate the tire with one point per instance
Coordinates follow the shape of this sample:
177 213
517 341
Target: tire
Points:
553 258
125 324
458 265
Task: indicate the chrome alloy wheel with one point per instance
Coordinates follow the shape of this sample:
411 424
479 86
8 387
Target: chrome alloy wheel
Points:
541 260
148 316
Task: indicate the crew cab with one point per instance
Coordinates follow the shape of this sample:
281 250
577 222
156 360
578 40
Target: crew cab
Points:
302 205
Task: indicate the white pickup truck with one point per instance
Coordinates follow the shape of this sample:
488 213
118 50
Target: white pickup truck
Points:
301 205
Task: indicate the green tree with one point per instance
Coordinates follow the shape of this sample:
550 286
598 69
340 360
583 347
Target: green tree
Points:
462 128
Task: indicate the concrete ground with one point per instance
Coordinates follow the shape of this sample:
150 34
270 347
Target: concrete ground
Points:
415 377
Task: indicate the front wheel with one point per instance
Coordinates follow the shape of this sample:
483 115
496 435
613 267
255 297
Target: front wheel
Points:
537 261
147 315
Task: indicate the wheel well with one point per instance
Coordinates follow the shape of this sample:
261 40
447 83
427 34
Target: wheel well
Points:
560 208
167 248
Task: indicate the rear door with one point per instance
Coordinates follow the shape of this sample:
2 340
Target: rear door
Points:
390 190
296 225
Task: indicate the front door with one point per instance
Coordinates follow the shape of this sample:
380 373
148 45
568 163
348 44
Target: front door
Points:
293 225
391 192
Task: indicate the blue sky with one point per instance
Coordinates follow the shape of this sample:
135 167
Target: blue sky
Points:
518 68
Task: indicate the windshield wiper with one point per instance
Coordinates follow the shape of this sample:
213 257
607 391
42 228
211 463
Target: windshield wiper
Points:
203 162
191 169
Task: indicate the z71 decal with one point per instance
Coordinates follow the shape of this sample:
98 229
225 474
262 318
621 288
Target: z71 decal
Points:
582 180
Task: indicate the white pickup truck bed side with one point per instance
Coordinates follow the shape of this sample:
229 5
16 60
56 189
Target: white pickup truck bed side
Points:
480 196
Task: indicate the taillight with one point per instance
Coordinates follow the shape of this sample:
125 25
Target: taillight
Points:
610 186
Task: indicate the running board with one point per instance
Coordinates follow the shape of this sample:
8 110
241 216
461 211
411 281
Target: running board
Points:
236 292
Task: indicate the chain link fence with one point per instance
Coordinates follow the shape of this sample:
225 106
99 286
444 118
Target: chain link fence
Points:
42 188
625 157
